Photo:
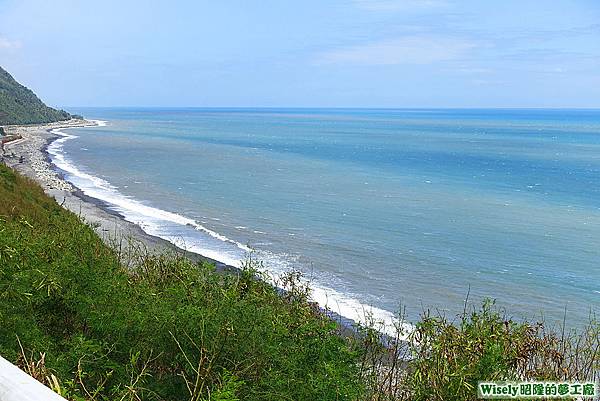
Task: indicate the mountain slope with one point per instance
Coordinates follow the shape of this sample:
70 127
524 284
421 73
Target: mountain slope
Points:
19 105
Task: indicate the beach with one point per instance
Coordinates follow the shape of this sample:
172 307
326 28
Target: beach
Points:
29 157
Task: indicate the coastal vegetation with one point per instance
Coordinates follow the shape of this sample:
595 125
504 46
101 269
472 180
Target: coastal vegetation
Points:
19 105
98 322
163 328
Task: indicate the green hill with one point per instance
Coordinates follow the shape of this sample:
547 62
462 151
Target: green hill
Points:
19 105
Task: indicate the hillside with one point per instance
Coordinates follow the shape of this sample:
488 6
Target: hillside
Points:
19 105
165 328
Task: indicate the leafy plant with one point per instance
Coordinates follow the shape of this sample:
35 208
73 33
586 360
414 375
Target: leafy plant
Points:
159 326
95 322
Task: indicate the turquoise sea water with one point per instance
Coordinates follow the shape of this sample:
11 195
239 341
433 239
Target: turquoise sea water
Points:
378 207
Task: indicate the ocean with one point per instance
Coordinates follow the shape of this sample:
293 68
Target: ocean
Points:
381 210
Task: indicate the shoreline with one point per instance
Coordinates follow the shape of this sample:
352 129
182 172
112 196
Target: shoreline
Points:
108 223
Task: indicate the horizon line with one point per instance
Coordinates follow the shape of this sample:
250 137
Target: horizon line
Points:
330 107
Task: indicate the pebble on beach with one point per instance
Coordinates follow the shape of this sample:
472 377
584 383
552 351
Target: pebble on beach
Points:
31 151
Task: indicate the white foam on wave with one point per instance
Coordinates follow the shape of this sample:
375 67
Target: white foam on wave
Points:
132 209
154 221
100 123
345 305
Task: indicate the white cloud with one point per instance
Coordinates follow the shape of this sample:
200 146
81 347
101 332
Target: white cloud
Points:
398 5
9 44
405 50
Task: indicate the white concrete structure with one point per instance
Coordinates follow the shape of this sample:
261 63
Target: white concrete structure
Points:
16 385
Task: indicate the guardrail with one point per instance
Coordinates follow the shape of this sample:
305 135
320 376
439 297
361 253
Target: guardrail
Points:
16 385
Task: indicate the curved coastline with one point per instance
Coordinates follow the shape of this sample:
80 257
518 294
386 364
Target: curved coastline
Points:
143 222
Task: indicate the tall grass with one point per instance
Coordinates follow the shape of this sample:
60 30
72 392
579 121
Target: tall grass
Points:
98 322
444 359
162 328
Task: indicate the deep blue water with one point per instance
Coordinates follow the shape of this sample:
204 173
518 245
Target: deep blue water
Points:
377 207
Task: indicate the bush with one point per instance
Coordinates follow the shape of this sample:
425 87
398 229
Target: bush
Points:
444 360
95 324
166 329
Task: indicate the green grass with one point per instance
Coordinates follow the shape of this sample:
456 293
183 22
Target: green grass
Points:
166 328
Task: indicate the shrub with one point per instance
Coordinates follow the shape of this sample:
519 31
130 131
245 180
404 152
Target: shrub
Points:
167 328
444 360
95 323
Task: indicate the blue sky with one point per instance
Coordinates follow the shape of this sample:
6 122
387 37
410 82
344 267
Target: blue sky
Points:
324 53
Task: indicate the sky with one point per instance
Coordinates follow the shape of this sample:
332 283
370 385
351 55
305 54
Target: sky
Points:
321 53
